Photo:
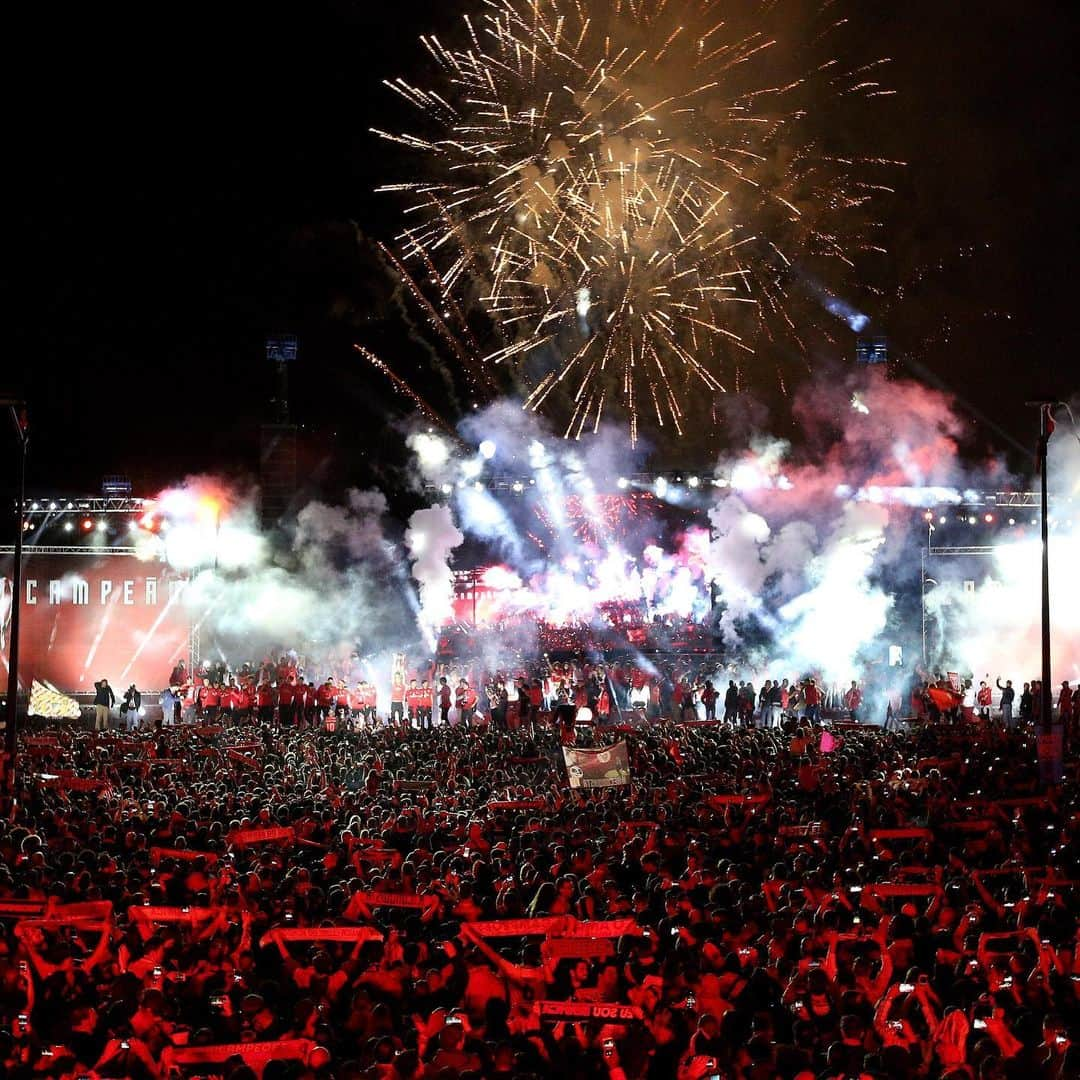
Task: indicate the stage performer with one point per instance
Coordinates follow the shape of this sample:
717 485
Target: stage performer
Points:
325 699
984 698
812 697
412 704
1008 696
264 702
104 700
465 701
708 699
397 700
342 706
427 705
446 698
130 708
852 700
370 704
208 702
286 695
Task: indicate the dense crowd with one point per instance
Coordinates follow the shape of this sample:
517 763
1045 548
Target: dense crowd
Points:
757 902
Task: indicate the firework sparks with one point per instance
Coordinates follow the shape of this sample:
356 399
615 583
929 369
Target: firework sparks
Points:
628 187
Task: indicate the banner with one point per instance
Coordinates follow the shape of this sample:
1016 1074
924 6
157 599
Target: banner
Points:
321 933
607 767
46 701
556 1011
399 900
94 614
247 837
579 948
518 804
255 1054
183 854
159 914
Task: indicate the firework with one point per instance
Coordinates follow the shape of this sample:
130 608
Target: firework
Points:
631 190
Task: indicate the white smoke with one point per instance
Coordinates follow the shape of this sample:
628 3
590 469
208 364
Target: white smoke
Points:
431 539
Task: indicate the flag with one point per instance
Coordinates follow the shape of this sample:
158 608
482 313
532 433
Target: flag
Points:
828 743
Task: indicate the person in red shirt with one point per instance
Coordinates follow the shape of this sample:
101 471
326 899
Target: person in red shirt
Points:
227 711
242 699
209 701
264 703
984 698
356 706
325 699
287 700
812 697
412 703
370 704
341 702
426 705
709 695
397 701
852 700
465 700
446 699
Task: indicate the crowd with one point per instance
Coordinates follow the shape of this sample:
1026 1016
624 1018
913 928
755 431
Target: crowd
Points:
772 901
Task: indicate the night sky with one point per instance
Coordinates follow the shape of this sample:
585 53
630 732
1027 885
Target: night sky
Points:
190 179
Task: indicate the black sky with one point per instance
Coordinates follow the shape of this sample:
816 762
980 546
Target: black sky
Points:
186 179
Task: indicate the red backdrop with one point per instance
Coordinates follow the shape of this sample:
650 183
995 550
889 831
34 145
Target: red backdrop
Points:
90 616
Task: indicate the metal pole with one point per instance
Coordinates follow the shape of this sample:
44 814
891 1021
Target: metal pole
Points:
1047 685
922 595
11 729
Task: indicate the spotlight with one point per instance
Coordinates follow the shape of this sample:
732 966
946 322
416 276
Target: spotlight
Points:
623 483
86 524
941 520
446 489
929 515
693 481
478 486
68 526
487 449
52 506
1034 521
35 506
661 486
971 520
988 518
1012 521
518 487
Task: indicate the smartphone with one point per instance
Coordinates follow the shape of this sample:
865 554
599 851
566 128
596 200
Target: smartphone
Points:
157 973
609 1047
216 1001
1061 1040
674 931
125 1045
23 967
452 1020
289 916
896 1026
907 988
691 1001
979 1025
855 889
